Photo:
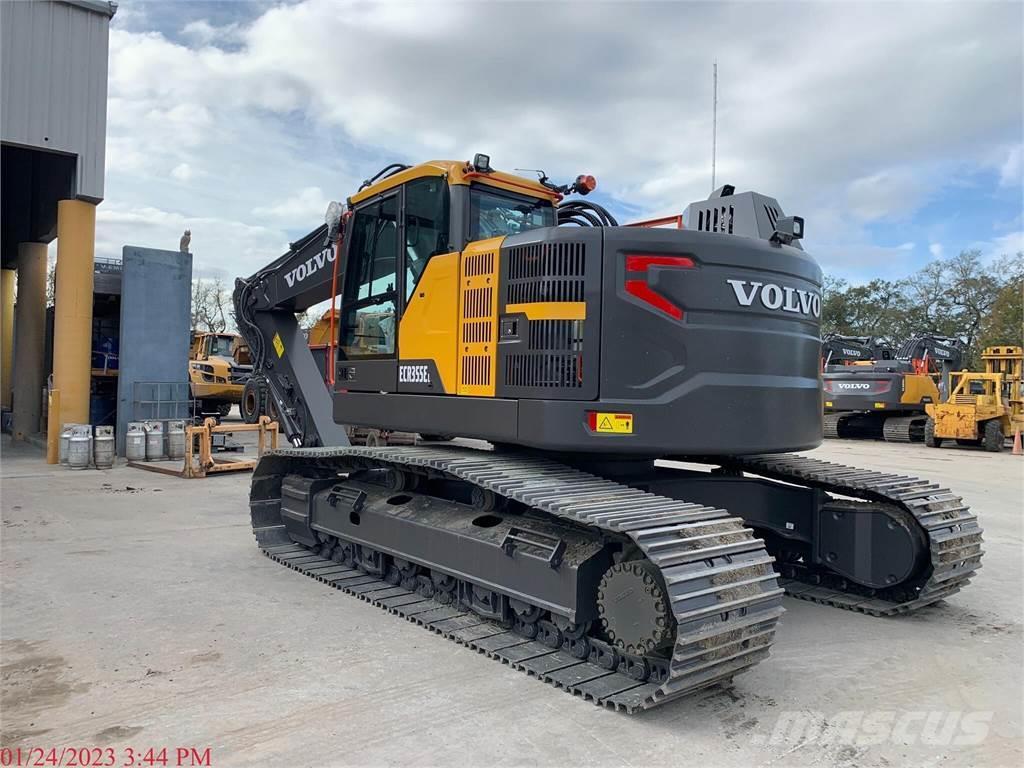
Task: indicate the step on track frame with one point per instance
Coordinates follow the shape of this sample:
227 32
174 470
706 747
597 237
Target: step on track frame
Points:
725 596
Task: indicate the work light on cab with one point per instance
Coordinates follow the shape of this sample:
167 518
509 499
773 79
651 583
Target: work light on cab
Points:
585 184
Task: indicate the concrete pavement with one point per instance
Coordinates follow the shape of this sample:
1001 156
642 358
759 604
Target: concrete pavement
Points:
137 613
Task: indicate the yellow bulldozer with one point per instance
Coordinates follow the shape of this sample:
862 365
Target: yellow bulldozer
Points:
983 408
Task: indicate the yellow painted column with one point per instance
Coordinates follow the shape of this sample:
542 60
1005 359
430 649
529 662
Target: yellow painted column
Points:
72 309
30 347
6 334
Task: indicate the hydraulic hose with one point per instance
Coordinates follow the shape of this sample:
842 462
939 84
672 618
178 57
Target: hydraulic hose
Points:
584 213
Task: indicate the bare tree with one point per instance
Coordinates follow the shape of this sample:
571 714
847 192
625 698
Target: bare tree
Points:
211 305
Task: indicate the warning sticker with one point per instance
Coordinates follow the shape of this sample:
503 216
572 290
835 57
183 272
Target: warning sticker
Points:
614 423
278 345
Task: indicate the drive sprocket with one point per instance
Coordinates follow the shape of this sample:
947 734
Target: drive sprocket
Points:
634 608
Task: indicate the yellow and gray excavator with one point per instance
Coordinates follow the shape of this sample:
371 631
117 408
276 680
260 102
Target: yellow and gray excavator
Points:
574 354
885 399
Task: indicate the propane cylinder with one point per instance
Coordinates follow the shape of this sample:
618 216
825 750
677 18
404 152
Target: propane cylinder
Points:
103 448
135 442
154 440
65 442
176 439
80 446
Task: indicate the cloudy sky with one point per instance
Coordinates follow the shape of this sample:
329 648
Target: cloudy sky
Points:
894 129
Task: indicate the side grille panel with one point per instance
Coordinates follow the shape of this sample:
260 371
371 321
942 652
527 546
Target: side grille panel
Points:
554 358
545 272
478 318
550 315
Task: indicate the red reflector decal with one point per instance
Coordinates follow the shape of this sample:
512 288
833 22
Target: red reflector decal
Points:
640 262
642 291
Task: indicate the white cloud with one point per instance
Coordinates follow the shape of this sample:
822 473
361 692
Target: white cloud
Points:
1008 244
1004 245
220 247
859 262
935 249
306 205
182 172
202 33
1010 172
275 115
889 194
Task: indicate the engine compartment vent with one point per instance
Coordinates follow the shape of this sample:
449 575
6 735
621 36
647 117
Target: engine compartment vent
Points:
717 219
546 272
554 359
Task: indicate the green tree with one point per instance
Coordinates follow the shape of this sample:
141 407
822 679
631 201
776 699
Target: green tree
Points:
964 296
1004 323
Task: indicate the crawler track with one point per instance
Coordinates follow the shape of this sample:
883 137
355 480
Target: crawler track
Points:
725 597
872 426
904 429
952 530
832 422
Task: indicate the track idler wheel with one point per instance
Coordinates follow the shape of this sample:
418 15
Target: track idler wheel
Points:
634 608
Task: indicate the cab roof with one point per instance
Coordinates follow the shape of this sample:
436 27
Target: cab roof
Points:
458 172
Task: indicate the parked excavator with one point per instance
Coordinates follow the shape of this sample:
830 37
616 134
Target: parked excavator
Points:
573 353
840 349
886 399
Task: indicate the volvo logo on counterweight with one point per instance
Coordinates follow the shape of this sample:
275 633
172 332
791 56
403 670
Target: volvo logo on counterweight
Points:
776 297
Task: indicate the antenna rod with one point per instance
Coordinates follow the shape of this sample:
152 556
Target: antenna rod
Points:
714 126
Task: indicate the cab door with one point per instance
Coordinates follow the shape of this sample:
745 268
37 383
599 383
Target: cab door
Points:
367 348
428 334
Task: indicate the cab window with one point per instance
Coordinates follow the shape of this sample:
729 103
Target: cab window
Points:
426 226
494 213
370 294
221 345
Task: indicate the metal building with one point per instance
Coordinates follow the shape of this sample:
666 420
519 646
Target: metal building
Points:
53 121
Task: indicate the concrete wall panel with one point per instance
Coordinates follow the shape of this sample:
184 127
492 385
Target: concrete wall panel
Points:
156 294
